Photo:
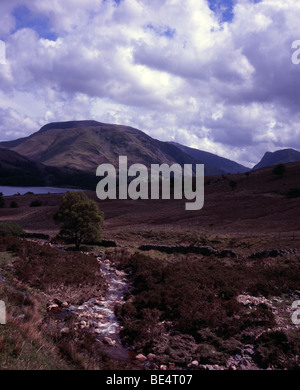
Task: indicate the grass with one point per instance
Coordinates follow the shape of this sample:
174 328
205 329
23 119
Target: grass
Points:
35 275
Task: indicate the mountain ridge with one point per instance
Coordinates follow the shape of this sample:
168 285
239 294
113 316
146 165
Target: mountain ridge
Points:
81 146
223 164
86 144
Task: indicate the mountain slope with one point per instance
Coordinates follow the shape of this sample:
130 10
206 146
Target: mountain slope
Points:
83 145
18 170
221 164
278 157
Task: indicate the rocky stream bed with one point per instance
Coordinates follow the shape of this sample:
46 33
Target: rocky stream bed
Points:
97 315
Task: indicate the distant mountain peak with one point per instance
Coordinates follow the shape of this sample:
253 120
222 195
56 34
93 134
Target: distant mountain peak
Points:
70 125
278 157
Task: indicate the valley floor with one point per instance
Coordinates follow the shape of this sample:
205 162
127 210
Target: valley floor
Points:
225 306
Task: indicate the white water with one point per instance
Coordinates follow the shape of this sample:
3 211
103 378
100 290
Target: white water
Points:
107 326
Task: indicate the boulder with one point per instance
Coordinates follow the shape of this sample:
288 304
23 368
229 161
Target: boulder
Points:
193 364
108 341
140 357
151 357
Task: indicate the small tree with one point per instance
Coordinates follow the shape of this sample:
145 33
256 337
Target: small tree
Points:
80 217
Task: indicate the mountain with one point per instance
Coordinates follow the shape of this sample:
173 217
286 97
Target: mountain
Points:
18 170
221 164
83 145
278 157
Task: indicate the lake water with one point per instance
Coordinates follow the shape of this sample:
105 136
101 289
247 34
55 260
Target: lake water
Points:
7 190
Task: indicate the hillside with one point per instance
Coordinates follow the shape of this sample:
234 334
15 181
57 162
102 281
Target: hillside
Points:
258 205
278 157
83 145
18 170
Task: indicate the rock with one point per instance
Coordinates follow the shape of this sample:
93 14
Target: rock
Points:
140 357
65 304
83 324
52 306
108 341
163 367
65 330
151 357
98 331
153 366
193 364
249 350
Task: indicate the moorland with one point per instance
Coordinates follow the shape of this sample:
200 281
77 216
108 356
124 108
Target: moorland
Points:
227 305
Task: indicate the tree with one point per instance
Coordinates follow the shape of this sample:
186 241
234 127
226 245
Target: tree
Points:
80 217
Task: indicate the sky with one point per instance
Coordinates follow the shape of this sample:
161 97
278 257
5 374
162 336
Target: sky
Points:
213 75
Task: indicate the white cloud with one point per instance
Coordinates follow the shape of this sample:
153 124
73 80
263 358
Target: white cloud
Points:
167 67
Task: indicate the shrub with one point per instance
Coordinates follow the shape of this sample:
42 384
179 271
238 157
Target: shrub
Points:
13 204
279 170
232 184
11 229
271 349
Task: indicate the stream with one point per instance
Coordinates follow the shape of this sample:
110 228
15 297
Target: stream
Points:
98 313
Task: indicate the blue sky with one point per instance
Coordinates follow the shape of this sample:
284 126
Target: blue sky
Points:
220 81
224 8
25 18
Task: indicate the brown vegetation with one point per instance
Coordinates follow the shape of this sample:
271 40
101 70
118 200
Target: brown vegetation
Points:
186 307
32 276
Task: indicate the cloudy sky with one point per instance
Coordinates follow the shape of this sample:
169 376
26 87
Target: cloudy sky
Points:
213 74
